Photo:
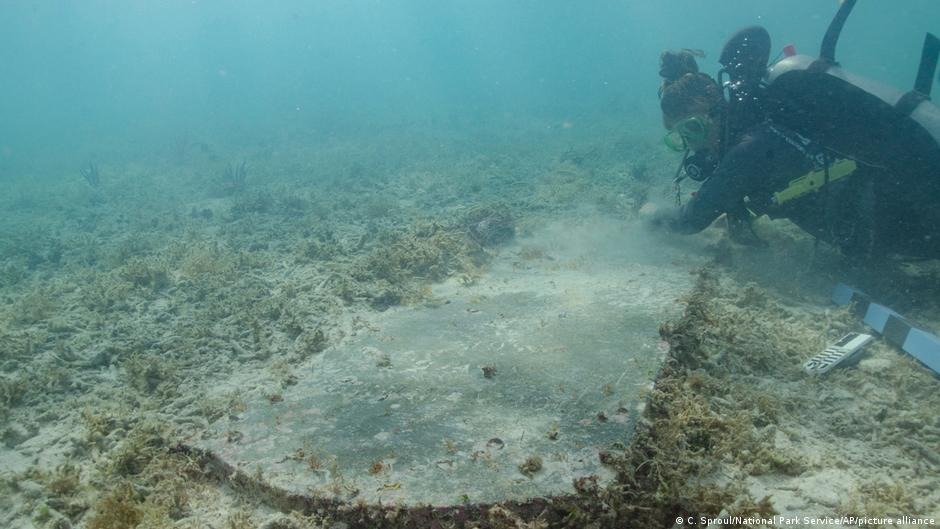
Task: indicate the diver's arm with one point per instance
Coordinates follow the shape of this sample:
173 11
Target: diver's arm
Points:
697 214
688 219
724 190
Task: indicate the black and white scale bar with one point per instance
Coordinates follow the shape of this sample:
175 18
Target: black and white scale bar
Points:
918 343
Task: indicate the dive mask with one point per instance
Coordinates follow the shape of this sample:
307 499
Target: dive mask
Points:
687 134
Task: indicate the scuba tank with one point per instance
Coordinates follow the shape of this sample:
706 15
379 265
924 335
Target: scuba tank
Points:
849 114
853 115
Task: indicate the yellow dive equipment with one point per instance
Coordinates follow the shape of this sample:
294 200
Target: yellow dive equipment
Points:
814 180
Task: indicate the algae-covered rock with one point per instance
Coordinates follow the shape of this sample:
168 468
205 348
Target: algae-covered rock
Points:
153 274
117 510
310 342
15 433
490 225
146 372
431 252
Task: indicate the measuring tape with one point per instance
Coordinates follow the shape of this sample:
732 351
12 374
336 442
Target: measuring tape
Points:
920 344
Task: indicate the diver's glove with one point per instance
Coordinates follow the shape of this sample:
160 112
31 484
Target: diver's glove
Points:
741 231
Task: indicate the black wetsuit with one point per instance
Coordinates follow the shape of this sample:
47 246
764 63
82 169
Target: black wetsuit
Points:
867 213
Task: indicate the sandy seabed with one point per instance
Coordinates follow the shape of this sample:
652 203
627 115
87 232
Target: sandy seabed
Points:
141 312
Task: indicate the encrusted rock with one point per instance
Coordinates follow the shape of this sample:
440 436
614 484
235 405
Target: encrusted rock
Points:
16 433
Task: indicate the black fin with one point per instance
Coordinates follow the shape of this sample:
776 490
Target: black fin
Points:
928 64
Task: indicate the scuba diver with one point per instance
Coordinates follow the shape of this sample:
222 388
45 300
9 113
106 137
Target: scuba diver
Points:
850 162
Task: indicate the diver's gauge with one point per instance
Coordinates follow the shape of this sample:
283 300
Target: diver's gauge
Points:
838 353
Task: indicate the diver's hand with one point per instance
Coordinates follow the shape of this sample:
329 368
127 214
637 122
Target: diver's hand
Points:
741 231
648 209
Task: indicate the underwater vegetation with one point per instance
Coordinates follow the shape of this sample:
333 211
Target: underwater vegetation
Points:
691 434
397 269
119 323
148 273
27 251
91 175
117 510
490 225
234 178
257 202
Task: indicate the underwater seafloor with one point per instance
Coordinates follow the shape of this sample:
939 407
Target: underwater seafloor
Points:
145 310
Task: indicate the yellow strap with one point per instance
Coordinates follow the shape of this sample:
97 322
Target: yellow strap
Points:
814 180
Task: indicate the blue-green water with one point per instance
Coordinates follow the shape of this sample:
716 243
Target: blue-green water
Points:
207 206
79 76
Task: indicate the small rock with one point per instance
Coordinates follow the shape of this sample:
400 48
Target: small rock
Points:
16 433
30 488
531 466
76 445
